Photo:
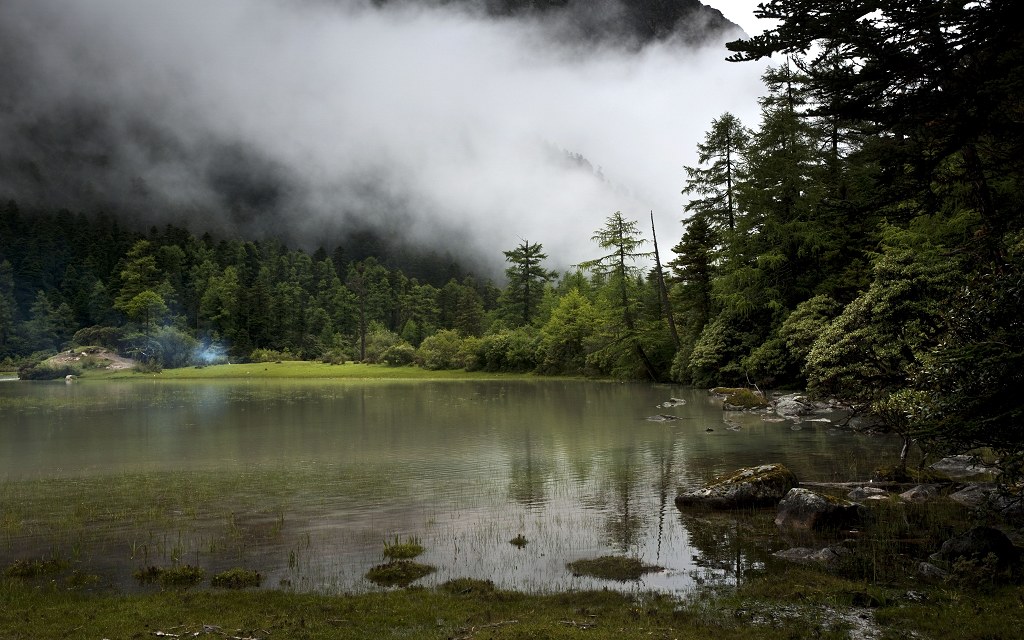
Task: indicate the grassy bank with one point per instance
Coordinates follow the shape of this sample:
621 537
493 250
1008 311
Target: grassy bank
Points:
796 604
306 369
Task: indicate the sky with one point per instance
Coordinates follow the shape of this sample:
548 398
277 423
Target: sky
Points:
441 125
741 12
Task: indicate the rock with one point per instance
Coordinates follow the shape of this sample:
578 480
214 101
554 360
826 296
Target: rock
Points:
804 555
739 399
758 486
662 417
792 406
976 544
672 402
987 496
860 493
921 493
962 467
929 571
973 495
806 510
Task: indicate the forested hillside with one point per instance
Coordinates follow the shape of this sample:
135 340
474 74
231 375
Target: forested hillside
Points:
864 238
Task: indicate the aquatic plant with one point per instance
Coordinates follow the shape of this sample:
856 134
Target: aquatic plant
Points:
407 550
34 567
398 573
237 578
177 576
620 568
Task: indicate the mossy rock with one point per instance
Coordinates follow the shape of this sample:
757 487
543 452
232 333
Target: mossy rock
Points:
739 398
908 474
750 487
400 573
619 568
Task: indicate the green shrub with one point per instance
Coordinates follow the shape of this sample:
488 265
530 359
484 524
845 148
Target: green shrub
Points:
47 371
443 350
399 355
378 341
511 351
109 337
271 355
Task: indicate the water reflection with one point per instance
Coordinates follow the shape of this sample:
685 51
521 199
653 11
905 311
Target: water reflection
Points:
304 480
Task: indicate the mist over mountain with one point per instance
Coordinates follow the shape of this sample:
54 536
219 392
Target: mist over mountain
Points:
443 123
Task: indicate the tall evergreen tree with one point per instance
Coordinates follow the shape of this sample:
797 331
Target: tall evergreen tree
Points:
622 239
526 280
721 156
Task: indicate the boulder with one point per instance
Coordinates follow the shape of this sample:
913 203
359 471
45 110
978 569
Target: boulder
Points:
929 571
921 493
803 509
962 467
861 493
987 496
976 544
804 555
758 486
793 406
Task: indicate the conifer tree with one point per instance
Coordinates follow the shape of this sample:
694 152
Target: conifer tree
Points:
526 280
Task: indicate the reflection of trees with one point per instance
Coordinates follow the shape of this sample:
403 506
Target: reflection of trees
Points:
728 545
624 524
666 456
529 474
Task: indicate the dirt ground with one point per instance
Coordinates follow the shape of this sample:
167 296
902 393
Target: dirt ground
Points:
96 355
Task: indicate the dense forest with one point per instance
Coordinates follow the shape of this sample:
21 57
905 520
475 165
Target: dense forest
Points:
864 239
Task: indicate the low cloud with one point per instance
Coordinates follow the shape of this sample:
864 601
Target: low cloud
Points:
306 119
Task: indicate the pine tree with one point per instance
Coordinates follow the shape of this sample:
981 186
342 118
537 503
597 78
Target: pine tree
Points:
526 281
722 158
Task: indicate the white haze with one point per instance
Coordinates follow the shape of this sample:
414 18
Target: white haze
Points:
459 118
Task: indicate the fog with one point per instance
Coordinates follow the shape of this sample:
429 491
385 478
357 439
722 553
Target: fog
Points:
304 119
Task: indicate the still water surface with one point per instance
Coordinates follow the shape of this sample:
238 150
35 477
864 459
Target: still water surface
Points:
305 480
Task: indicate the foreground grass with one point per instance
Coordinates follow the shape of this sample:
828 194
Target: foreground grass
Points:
794 604
307 369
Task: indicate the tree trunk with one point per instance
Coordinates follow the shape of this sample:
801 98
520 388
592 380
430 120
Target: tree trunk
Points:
666 305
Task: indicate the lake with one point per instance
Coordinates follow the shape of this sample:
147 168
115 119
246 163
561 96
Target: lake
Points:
305 481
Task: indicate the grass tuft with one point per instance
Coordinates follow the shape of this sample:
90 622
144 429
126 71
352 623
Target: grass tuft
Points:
237 578
34 567
400 573
407 550
620 568
184 575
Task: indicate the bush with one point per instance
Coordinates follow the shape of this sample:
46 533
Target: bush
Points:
47 371
336 356
271 355
177 348
399 355
378 341
444 350
109 337
512 351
